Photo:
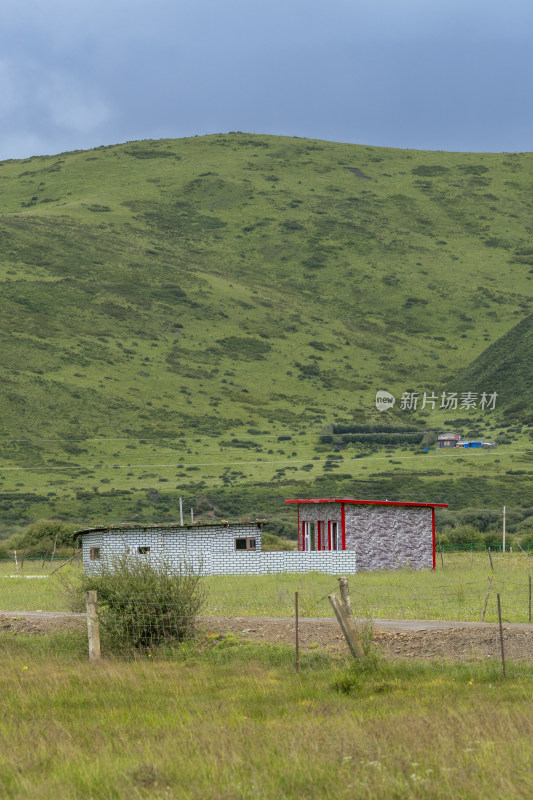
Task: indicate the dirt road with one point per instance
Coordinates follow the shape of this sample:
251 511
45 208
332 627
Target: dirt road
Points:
426 639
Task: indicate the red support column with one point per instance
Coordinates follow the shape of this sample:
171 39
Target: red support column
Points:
343 524
433 535
300 538
319 536
329 535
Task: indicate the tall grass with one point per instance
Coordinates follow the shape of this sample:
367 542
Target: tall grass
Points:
230 720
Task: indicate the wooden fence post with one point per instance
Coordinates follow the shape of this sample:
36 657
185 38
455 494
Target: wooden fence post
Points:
501 635
347 626
490 559
345 594
486 601
53 553
297 643
93 625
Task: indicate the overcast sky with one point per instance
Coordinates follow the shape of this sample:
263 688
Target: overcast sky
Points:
428 74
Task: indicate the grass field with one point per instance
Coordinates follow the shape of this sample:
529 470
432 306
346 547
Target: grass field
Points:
457 592
222 718
230 721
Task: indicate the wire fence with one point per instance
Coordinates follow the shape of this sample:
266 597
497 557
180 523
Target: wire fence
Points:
467 593
467 601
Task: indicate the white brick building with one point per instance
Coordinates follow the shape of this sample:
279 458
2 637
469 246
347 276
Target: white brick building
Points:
217 548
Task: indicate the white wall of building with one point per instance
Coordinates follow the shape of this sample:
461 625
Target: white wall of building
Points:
208 550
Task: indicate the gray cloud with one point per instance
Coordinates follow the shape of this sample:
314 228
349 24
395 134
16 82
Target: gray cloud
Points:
420 73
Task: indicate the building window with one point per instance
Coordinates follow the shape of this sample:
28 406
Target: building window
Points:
308 536
95 554
334 538
322 543
245 543
143 551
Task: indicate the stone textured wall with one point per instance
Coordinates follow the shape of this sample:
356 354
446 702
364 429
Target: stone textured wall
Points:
384 537
388 537
199 553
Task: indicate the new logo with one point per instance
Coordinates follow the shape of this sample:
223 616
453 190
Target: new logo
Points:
384 400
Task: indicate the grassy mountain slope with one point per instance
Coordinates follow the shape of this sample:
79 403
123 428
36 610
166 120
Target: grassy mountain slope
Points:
507 364
186 303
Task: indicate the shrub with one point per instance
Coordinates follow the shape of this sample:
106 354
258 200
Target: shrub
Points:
525 528
494 538
142 605
464 535
482 519
269 541
47 535
429 170
526 542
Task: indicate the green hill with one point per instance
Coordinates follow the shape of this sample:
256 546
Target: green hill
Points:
508 365
183 306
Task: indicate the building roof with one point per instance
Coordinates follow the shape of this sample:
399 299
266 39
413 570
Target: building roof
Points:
131 526
369 502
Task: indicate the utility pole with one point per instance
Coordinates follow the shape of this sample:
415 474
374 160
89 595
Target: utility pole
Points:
181 512
503 529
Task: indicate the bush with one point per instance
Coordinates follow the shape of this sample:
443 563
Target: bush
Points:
142 605
482 519
525 528
269 541
464 535
281 529
494 539
527 541
46 535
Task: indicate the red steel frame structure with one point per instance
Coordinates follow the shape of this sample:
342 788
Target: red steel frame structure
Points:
344 500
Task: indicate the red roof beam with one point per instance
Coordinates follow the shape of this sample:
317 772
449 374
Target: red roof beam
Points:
368 502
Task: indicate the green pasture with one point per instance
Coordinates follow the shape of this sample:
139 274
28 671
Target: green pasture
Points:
185 317
228 486
457 592
226 719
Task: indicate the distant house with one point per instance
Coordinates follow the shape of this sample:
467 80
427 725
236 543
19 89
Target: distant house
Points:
448 439
385 534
